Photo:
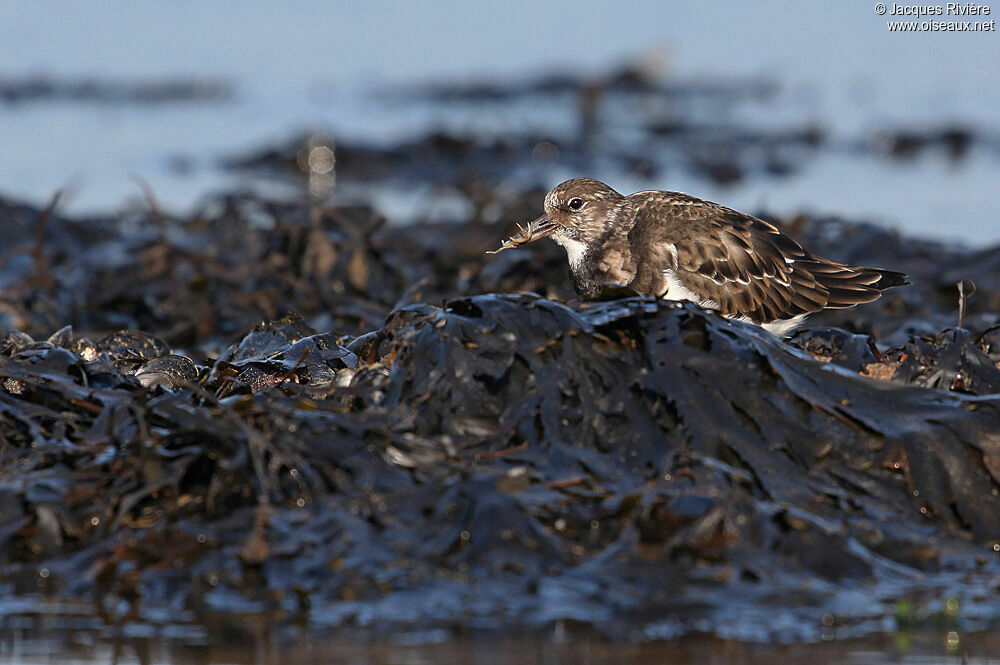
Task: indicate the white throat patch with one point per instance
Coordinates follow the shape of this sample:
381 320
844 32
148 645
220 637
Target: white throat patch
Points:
575 250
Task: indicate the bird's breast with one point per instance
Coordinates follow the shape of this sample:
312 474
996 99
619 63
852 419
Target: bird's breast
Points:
614 265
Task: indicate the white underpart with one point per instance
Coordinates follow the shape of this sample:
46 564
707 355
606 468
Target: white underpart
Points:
677 291
575 250
673 255
783 327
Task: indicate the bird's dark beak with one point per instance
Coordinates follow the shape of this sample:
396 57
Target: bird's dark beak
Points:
540 228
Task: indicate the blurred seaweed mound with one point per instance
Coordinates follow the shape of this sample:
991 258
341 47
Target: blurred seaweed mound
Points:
304 410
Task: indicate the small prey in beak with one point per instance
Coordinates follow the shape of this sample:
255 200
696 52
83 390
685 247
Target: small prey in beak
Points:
542 227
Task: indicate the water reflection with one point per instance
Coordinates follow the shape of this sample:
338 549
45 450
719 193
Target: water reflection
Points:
260 646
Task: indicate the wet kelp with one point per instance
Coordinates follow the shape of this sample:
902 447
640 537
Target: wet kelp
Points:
499 460
406 454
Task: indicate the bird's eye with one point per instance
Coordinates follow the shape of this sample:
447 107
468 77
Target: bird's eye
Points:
575 203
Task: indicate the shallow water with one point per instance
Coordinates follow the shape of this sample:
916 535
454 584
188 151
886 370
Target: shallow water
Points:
310 67
260 646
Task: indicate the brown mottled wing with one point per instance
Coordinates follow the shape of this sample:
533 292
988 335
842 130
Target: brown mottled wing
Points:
751 269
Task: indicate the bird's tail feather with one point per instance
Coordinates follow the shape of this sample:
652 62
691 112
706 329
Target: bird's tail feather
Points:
854 285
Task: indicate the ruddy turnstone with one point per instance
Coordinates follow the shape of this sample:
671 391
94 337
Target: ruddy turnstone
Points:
678 247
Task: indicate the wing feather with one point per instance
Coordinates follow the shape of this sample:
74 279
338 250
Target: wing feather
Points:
751 269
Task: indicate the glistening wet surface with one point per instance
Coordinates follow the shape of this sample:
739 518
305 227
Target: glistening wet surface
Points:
397 455
259 645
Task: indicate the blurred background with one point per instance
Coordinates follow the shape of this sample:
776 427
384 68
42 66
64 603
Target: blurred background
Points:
221 165
772 105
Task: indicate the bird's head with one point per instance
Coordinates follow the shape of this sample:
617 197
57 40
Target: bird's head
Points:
578 212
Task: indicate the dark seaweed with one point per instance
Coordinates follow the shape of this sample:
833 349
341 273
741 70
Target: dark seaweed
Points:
408 455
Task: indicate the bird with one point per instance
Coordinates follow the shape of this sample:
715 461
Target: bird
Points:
678 247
